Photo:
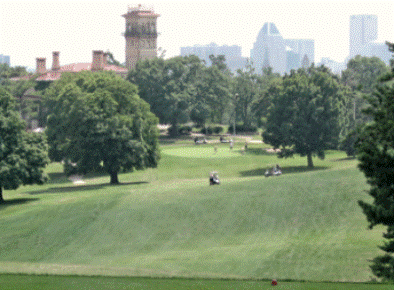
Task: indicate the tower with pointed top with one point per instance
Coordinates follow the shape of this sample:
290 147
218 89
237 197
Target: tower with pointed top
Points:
141 35
269 50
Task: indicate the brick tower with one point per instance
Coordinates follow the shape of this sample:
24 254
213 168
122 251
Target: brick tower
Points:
141 35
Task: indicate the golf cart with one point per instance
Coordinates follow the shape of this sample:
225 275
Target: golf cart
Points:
200 140
276 171
224 140
214 178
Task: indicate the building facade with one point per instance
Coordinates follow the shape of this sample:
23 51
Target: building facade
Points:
141 35
269 50
378 49
363 29
302 47
5 59
233 55
283 55
335 67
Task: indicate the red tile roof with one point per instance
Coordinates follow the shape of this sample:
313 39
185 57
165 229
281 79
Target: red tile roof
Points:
51 75
28 77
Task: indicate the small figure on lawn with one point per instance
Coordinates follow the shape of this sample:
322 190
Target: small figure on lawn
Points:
214 178
215 149
231 144
274 282
246 146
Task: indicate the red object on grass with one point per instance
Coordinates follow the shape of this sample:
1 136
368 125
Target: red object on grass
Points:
274 282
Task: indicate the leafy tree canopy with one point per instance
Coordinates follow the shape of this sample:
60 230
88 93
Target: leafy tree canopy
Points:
303 116
7 72
98 122
360 77
182 88
268 83
23 155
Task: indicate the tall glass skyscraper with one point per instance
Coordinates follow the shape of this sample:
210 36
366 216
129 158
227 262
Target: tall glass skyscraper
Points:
363 29
269 50
283 55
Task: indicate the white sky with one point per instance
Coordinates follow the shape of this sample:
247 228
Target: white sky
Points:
30 29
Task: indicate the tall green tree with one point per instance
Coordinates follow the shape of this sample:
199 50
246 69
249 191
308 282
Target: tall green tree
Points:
7 72
98 122
23 155
169 86
303 116
375 148
111 59
246 90
268 83
213 91
360 77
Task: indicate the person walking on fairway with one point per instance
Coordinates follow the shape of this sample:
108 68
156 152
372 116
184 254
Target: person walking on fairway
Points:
231 144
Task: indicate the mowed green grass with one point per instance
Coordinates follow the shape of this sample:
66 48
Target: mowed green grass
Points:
167 222
32 282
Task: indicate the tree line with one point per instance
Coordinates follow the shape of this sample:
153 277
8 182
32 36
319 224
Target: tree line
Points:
305 111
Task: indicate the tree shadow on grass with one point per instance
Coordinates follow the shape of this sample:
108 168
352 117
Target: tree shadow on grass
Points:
16 201
83 187
343 159
285 170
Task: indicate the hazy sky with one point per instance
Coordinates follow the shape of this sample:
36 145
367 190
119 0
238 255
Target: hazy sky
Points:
30 29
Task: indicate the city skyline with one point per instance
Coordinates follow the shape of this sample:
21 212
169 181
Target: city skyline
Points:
363 29
31 29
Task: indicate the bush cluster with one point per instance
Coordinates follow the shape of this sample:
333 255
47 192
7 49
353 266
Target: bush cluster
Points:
212 130
241 128
185 130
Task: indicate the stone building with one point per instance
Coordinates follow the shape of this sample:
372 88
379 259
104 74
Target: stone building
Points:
141 35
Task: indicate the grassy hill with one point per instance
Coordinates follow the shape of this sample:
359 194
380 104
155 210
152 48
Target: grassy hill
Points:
168 222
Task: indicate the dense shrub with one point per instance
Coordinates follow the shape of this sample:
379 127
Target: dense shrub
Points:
240 128
206 130
185 130
217 129
212 130
173 131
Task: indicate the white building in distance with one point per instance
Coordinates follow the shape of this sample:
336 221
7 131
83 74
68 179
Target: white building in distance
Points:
283 55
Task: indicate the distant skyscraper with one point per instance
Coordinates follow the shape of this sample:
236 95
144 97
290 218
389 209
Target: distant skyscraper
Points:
363 29
302 47
269 50
293 60
234 59
336 67
5 59
378 49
